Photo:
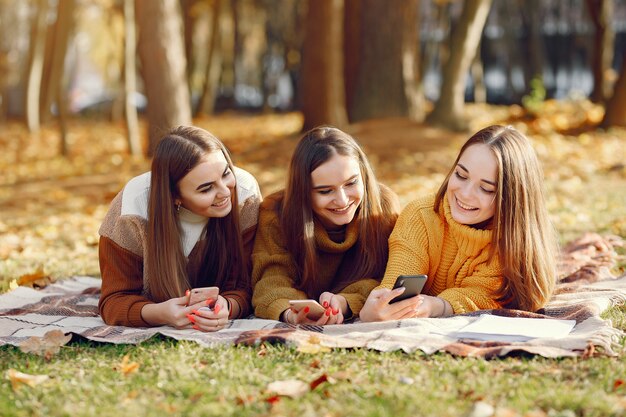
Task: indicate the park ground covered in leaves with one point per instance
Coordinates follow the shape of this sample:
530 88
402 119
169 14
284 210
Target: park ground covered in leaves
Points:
52 206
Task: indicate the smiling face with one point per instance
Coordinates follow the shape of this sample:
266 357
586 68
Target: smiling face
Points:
337 191
207 189
472 186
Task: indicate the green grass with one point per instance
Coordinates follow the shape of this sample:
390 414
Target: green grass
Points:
183 378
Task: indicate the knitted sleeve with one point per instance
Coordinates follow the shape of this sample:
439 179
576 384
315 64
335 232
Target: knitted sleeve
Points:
476 291
408 244
121 299
356 294
272 268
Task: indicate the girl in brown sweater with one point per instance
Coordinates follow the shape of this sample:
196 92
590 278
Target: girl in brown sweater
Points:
485 240
185 224
325 236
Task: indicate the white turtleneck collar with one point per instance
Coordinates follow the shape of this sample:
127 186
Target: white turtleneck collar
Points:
135 202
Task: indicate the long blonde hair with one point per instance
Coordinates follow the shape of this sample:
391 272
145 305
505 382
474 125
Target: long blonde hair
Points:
376 215
524 239
176 154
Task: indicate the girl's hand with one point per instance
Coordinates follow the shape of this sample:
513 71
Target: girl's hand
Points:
172 312
433 307
211 317
336 307
293 316
377 307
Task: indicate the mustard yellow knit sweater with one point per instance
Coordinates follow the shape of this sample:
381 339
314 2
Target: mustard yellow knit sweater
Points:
274 269
453 255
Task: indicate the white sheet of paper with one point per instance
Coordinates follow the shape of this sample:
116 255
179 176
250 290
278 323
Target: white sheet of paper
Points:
512 329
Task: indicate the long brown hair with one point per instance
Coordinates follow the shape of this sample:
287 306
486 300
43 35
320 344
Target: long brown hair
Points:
376 214
176 154
524 239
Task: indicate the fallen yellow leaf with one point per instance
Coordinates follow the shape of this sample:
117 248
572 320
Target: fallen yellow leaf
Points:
313 345
37 279
18 379
127 367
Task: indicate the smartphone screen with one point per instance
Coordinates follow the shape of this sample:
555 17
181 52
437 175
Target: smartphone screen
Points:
413 284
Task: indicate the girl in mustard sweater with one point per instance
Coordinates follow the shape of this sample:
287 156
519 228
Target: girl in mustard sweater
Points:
484 240
184 224
325 236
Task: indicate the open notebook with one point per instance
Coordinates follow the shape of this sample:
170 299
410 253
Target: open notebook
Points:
514 329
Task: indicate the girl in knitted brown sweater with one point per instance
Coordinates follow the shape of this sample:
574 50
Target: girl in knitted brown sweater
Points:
325 236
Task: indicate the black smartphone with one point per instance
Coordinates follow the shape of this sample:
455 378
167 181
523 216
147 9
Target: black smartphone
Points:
413 285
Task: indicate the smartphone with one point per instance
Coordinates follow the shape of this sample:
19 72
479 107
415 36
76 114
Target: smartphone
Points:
315 309
197 295
413 285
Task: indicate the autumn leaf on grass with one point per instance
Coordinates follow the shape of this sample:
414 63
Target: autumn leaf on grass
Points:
37 279
46 346
127 367
313 345
18 379
320 380
293 388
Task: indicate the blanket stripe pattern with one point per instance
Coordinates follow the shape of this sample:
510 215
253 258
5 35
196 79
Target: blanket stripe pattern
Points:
587 287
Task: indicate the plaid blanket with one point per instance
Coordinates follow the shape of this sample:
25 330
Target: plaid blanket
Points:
587 287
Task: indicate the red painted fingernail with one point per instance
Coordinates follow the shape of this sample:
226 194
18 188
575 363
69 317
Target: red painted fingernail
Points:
217 309
325 304
306 309
187 293
208 301
191 318
195 312
335 311
327 312
195 326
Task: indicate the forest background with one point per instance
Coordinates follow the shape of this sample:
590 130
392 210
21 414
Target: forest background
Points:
88 86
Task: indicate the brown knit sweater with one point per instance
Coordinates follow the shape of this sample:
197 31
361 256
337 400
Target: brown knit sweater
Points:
122 250
454 256
274 269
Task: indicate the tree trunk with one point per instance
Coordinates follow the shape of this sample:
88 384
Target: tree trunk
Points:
411 74
60 35
601 12
130 77
162 53
478 78
206 104
532 45
35 67
63 28
448 111
322 85
351 49
386 83
616 107
189 21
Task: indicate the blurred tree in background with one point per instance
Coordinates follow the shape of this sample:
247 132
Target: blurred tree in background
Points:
337 61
